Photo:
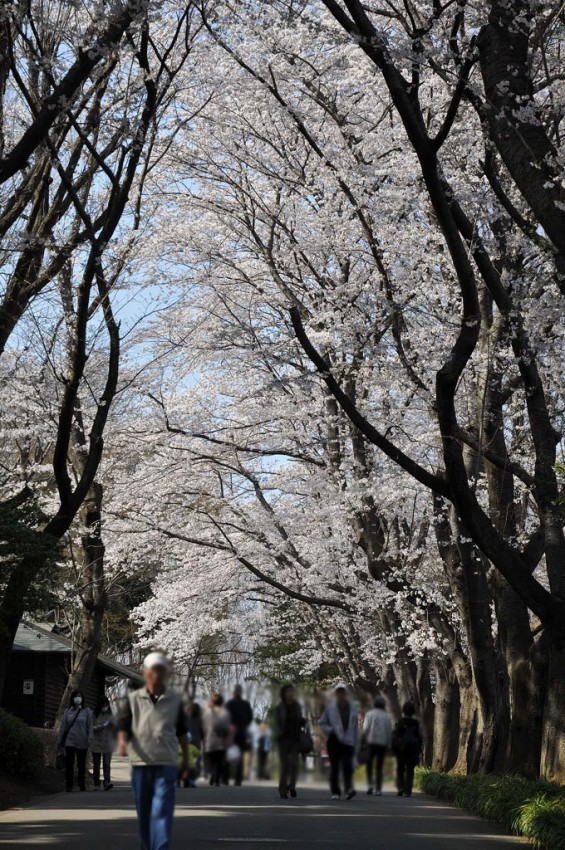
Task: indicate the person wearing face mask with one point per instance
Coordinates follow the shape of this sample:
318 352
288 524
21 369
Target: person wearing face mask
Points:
103 744
75 736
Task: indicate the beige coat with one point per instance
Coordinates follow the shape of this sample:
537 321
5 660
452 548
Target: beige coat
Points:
104 739
216 720
154 728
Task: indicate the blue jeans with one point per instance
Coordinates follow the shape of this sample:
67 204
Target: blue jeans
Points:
154 791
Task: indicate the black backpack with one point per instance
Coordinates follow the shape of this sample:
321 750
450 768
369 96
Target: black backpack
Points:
406 740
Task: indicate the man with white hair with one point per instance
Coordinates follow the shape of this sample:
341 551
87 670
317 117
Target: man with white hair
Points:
340 724
151 725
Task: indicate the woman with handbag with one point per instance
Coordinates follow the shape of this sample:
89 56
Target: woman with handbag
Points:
75 737
218 736
289 730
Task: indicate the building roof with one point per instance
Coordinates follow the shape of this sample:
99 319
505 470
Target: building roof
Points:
33 638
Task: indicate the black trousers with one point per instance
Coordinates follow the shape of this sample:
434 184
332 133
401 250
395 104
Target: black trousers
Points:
263 764
106 760
70 754
241 740
288 765
216 761
341 763
405 774
376 760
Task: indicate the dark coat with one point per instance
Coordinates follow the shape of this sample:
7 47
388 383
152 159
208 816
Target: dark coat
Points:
407 740
288 722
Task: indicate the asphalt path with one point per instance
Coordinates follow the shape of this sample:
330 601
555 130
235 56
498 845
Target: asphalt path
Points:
249 818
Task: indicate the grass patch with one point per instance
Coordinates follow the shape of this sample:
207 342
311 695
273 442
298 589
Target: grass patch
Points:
533 810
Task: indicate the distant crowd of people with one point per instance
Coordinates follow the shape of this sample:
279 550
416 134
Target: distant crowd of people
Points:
170 746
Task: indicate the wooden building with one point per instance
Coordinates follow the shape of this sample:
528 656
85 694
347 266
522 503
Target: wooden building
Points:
38 672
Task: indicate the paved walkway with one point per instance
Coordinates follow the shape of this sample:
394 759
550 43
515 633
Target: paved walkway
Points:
249 818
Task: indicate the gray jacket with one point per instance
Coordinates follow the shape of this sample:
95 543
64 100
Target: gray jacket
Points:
331 724
154 728
377 728
76 728
104 740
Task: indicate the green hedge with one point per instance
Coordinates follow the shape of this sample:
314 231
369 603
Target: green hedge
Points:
21 751
534 810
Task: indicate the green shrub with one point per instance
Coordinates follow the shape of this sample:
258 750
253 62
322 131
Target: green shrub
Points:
543 821
534 810
21 751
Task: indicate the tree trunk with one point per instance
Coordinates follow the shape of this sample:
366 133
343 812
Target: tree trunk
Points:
93 598
446 716
553 744
390 692
426 707
525 730
466 573
468 722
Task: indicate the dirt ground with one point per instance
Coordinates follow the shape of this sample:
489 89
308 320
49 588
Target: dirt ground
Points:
21 792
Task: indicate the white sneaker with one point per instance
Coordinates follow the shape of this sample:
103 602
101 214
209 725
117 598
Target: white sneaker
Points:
336 797
379 793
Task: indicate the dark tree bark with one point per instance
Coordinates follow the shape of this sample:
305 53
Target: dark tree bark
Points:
516 128
65 91
426 707
553 743
465 570
447 715
92 594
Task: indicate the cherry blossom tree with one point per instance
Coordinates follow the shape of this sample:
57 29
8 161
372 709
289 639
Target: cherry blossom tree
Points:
88 95
342 420
312 181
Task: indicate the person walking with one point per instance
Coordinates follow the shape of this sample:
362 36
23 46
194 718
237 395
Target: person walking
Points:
340 725
289 723
217 737
241 715
195 725
264 747
151 726
75 737
103 744
407 746
377 735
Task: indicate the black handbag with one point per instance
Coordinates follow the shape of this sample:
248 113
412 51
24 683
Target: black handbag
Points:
305 742
364 753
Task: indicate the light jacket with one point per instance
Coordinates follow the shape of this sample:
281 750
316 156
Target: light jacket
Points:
331 724
104 740
78 726
154 728
217 721
377 728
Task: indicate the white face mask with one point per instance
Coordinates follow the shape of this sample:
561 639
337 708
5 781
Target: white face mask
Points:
77 700
105 709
